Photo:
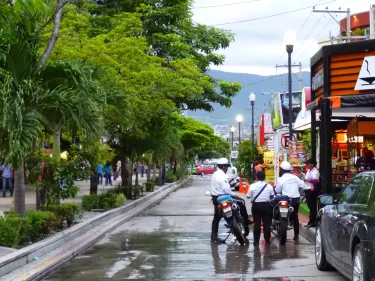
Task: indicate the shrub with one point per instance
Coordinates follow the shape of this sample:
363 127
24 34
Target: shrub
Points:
137 190
149 186
65 212
171 177
41 223
9 233
105 201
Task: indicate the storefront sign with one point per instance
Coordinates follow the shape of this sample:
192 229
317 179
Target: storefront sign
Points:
366 77
317 81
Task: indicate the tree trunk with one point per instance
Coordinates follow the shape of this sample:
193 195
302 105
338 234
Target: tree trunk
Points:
148 172
55 33
94 184
56 147
19 192
154 172
125 172
164 174
136 173
130 180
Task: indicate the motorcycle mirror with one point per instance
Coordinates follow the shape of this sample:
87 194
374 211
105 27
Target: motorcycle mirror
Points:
208 193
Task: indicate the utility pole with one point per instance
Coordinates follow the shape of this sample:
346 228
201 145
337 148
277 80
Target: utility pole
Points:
300 73
348 23
372 22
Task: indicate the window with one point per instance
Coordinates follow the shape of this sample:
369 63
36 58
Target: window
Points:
347 196
358 191
363 193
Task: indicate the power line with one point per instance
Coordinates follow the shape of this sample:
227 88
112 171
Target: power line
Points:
271 16
223 5
317 37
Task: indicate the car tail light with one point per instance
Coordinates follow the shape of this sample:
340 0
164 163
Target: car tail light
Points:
283 203
224 204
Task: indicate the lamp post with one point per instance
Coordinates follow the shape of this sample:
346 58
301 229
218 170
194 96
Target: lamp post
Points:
232 129
252 101
290 40
239 120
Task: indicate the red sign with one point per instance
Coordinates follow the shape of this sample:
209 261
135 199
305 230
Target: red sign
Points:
285 140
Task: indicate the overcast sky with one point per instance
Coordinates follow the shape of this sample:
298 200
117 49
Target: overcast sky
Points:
259 44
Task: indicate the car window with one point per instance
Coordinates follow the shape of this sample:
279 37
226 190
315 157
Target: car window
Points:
347 196
363 193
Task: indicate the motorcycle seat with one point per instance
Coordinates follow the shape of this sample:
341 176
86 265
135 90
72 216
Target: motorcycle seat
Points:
280 197
223 198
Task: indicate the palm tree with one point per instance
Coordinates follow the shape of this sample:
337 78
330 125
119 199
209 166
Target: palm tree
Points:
34 96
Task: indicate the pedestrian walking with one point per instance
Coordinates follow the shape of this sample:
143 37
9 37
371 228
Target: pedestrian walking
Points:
289 185
142 168
7 179
99 174
108 173
260 193
311 180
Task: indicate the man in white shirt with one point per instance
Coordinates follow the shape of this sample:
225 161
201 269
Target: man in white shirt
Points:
289 185
220 186
261 192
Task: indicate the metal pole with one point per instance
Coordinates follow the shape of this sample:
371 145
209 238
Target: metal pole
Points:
289 49
252 140
239 133
348 25
232 140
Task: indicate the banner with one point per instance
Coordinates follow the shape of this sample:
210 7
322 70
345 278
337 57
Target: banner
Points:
280 109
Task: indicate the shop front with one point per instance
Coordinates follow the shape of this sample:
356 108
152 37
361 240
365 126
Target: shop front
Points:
342 98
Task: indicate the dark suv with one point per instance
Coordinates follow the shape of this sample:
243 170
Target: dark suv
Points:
345 232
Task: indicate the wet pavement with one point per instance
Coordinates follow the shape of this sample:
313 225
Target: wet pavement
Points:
172 242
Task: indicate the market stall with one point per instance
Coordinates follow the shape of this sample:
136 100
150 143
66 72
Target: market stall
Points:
342 89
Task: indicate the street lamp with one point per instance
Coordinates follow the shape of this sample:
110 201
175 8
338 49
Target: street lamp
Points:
290 40
232 129
252 101
239 120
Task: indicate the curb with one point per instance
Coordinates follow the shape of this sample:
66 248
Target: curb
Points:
308 233
64 246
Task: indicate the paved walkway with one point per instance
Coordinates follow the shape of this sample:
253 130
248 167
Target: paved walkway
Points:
7 203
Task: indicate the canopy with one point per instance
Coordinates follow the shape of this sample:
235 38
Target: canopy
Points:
363 100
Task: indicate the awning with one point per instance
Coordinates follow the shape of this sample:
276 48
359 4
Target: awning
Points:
303 121
360 128
363 100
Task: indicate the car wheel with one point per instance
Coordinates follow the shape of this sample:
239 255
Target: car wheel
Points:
358 267
320 255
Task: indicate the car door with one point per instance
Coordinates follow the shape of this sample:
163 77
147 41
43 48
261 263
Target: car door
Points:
333 217
354 214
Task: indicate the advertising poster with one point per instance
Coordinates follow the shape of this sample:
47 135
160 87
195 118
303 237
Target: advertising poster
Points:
275 112
296 106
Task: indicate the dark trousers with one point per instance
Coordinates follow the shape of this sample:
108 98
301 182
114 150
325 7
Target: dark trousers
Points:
217 216
311 201
295 202
100 178
261 212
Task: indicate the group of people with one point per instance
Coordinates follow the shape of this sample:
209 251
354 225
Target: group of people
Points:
107 172
261 193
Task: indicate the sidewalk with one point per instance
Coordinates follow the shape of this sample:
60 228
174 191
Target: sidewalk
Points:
7 203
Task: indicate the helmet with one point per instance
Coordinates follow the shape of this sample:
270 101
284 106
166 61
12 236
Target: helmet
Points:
223 161
285 165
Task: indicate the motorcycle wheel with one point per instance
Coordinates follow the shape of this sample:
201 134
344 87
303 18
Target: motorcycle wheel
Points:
238 231
283 230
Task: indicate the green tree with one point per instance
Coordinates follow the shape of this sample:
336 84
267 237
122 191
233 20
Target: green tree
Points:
246 157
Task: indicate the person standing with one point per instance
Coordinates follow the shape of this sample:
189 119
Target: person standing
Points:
142 168
99 174
311 191
108 173
261 192
7 179
220 186
289 185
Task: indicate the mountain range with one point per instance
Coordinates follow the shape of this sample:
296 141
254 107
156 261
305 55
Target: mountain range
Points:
261 86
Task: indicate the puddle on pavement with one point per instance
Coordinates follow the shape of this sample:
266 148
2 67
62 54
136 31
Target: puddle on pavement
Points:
175 256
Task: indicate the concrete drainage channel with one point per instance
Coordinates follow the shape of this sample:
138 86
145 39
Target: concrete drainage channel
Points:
51 253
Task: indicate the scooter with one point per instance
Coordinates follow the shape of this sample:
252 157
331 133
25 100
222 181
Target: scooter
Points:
230 211
235 183
281 212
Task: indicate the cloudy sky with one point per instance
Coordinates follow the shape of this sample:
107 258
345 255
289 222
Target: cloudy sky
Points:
259 43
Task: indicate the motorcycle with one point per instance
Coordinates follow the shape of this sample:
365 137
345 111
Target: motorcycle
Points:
230 211
281 212
234 183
